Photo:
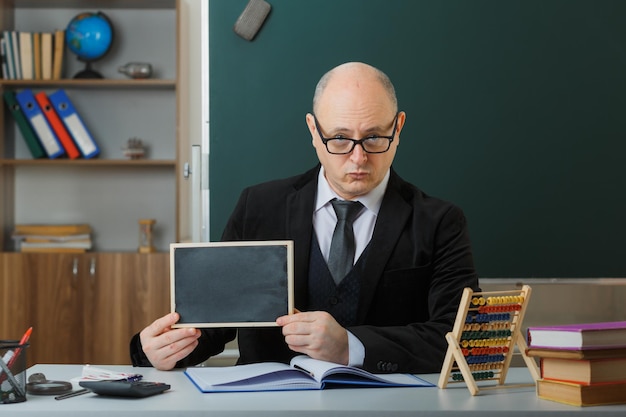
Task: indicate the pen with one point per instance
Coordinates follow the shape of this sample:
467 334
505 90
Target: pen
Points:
72 394
23 341
309 373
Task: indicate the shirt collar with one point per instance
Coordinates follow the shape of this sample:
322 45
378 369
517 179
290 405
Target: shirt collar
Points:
372 200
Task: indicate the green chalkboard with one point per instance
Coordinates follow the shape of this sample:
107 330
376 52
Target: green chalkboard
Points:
516 111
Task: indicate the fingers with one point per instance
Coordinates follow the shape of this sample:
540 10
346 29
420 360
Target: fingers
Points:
316 334
162 324
164 346
297 317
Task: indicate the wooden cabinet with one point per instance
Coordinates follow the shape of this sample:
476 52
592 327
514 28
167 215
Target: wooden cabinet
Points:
83 308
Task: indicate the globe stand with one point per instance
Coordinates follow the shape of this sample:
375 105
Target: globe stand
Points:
88 72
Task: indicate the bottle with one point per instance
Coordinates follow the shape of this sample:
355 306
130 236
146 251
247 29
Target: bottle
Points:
136 69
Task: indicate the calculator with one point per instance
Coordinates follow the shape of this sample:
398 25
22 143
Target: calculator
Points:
123 388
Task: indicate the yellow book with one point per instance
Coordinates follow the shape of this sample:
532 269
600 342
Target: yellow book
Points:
51 229
37 55
52 250
581 394
59 47
46 56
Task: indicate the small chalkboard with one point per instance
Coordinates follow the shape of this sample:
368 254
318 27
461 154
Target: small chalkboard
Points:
231 284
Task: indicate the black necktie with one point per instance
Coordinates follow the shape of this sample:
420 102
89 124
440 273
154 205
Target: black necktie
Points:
341 257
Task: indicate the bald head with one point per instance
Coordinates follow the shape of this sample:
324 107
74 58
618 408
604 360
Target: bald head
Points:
354 73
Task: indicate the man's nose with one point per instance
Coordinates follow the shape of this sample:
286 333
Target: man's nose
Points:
358 154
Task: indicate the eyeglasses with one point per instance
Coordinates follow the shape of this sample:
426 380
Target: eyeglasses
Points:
371 144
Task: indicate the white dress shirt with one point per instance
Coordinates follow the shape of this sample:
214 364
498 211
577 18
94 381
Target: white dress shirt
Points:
324 221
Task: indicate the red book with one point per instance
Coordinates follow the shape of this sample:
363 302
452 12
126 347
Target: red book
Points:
57 125
604 335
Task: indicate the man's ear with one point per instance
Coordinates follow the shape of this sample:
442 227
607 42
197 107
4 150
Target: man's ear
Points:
310 122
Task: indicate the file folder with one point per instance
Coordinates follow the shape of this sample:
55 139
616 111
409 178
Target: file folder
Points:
57 125
74 124
30 137
40 125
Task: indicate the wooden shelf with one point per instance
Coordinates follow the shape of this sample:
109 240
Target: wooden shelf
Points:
90 162
98 83
116 4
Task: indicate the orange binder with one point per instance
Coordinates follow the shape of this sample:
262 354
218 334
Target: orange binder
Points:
57 125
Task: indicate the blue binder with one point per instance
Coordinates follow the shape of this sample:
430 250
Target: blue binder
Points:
40 125
74 124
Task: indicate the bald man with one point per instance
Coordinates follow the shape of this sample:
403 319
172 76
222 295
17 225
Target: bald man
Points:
391 310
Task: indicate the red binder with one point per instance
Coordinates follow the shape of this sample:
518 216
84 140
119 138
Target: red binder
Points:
57 125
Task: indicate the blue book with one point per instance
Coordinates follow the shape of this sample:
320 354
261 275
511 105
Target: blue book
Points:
74 123
39 123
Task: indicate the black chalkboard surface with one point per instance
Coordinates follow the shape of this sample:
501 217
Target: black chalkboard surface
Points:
516 112
231 284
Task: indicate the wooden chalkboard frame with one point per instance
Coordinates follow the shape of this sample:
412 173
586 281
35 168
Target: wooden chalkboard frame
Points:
231 284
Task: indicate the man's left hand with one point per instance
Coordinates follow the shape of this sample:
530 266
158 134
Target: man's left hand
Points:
316 334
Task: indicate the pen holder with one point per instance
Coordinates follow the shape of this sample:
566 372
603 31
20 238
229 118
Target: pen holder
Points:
12 371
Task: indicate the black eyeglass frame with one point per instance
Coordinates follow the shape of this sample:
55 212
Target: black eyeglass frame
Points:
357 141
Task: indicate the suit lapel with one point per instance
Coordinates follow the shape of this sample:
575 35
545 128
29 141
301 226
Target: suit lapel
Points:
299 213
390 223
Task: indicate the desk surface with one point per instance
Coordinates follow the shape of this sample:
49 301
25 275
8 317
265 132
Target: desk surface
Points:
184 399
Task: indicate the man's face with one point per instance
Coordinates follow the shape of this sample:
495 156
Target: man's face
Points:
354 109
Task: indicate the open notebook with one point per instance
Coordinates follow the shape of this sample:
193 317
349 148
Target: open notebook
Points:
301 374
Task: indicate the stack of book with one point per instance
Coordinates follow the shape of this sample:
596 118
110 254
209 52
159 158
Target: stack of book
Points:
581 364
32 55
75 238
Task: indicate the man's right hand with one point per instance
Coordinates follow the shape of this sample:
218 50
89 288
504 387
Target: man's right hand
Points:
164 346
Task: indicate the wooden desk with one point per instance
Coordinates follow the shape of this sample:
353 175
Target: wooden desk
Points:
185 400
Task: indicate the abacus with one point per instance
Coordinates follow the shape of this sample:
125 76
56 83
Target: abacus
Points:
481 344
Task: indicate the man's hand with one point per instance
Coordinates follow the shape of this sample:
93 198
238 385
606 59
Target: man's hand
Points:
317 335
164 346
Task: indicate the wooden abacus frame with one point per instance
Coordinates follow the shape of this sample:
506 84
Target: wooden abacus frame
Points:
486 330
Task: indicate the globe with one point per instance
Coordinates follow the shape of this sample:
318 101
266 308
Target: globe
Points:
89 35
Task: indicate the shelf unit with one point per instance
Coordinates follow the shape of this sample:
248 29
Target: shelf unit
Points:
113 289
110 192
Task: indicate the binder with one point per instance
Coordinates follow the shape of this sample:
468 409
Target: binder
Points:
57 125
40 125
74 123
30 137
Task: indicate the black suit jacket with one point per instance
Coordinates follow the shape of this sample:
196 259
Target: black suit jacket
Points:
419 260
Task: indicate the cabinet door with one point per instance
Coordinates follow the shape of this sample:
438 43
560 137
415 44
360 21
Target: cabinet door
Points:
124 292
15 297
56 306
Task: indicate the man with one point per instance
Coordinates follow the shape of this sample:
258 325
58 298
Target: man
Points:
391 311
